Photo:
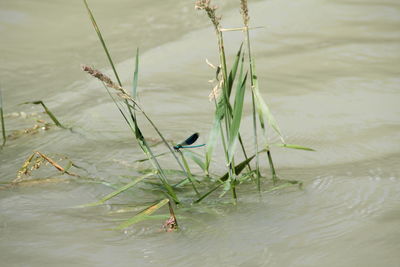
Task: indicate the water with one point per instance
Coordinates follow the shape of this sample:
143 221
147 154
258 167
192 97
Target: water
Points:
330 72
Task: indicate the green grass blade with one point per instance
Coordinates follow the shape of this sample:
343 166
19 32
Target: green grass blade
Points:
190 176
48 112
156 156
159 134
146 149
212 141
232 73
103 43
118 191
3 125
263 109
237 113
294 147
196 159
142 215
135 75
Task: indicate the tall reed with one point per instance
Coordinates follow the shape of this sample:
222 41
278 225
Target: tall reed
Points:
131 110
227 115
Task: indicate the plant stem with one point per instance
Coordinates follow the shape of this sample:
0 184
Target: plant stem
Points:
271 164
102 41
189 173
251 63
3 126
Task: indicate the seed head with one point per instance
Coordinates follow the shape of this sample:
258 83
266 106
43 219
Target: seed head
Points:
210 9
245 12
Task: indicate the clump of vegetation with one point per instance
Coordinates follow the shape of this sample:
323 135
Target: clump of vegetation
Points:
228 95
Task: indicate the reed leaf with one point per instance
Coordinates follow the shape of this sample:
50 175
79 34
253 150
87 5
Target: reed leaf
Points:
3 125
190 176
118 191
134 86
294 147
145 148
196 159
143 215
237 113
263 109
156 156
135 75
232 73
103 43
212 141
47 110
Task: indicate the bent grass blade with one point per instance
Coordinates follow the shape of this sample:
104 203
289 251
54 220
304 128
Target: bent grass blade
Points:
103 43
141 216
263 109
118 191
294 147
47 110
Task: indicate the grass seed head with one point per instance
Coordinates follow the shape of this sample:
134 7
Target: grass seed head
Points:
210 9
245 12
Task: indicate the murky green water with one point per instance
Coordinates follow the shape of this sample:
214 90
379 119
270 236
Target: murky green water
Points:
328 69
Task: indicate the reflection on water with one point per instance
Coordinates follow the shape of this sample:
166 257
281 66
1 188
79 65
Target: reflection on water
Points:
329 72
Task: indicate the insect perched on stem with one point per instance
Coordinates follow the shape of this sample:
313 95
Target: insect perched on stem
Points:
187 143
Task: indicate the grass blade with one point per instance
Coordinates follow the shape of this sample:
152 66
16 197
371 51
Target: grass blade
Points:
263 109
146 148
294 147
212 141
51 115
156 156
3 126
135 75
142 215
118 191
196 159
232 73
237 113
103 43
190 176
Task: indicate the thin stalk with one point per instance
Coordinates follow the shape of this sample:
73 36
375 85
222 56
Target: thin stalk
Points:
146 150
256 143
271 163
190 176
228 114
3 126
103 43
133 116
222 135
247 37
48 112
161 136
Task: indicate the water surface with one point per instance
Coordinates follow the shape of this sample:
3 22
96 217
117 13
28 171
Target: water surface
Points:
330 72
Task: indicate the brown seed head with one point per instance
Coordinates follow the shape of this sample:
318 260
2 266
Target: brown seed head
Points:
245 12
210 9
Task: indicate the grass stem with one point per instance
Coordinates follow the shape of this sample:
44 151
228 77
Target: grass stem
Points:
3 126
